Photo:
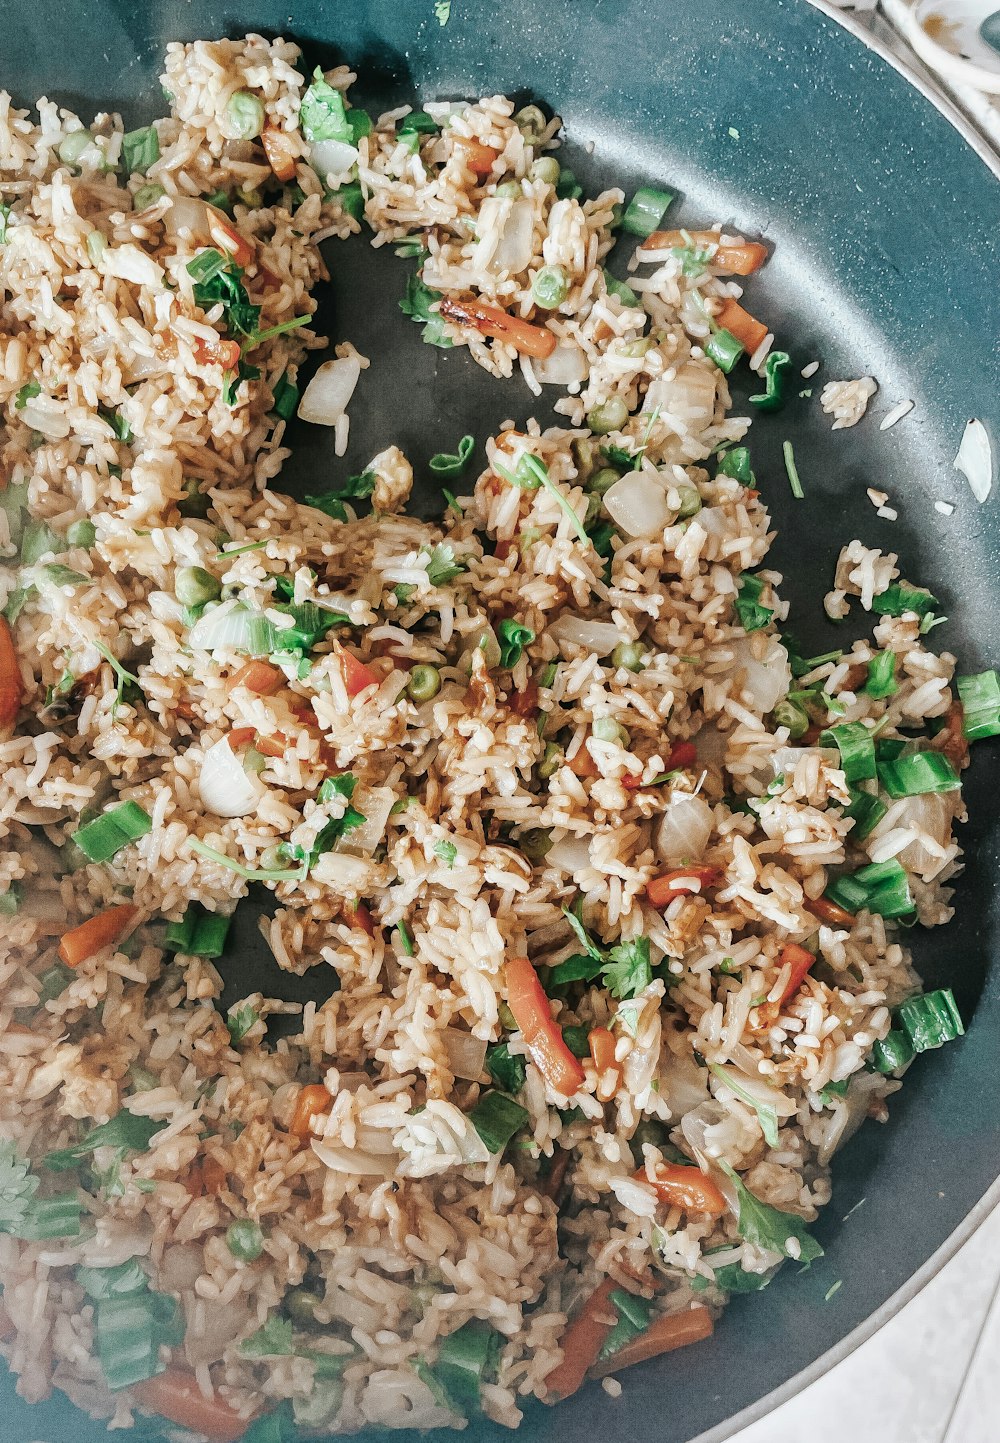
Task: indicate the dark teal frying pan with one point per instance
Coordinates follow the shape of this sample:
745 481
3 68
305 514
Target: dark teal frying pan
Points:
884 222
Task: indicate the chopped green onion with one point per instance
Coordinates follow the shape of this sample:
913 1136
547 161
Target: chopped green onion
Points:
621 291
413 126
645 210
27 393
931 1020
466 1359
245 115
634 1316
724 349
322 113
448 464
198 933
736 463
107 834
147 195
882 887
980 695
507 1071
867 811
530 474
887 749
54 981
496 1118
82 533
285 395
72 146
38 540
351 198
567 186
114 1282
140 150
278 874
51 1217
773 396
747 604
513 638
550 287
791 470
857 749
130 1332
918 774
257 337
901 597
794 717
881 681
895 1050
405 938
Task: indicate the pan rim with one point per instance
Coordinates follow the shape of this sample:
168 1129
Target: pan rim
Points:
990 1199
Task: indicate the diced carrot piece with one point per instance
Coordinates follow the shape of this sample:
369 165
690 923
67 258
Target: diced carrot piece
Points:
194 1183
241 737
311 1101
737 257
363 918
95 934
11 684
357 676
951 740
675 1330
259 677
502 549
217 353
800 959
478 157
741 324
682 754
227 237
269 281
491 321
552 1184
685 1187
685 881
602 1054
542 1036
175 1395
281 151
829 912
273 746
524 703
582 1343
582 764
215 1176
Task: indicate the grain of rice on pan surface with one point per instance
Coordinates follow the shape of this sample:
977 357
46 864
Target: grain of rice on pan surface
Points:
552 741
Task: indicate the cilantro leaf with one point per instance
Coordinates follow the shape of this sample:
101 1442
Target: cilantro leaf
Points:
339 786
17 1187
331 503
581 967
126 1130
417 303
628 969
446 852
586 941
769 1227
272 1340
240 1021
442 565
26 394
508 1072
513 637
766 1115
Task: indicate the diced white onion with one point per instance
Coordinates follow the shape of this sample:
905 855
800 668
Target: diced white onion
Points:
683 831
226 789
116 1240
600 637
975 460
755 1086
566 366
343 1159
375 804
332 157
683 1084
466 1054
506 230
328 393
569 853
767 675
187 213
638 505
690 395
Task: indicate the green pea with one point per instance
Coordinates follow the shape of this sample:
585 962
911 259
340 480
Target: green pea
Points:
509 190
507 1018
147 194
72 146
789 714
603 480
244 1240
194 586
245 114
630 655
425 683
142 1081
194 502
610 416
301 1305
606 729
552 760
690 501
594 505
96 246
546 169
586 455
82 533
272 858
550 287
536 843
531 122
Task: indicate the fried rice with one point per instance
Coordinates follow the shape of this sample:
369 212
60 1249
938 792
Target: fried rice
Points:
554 740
